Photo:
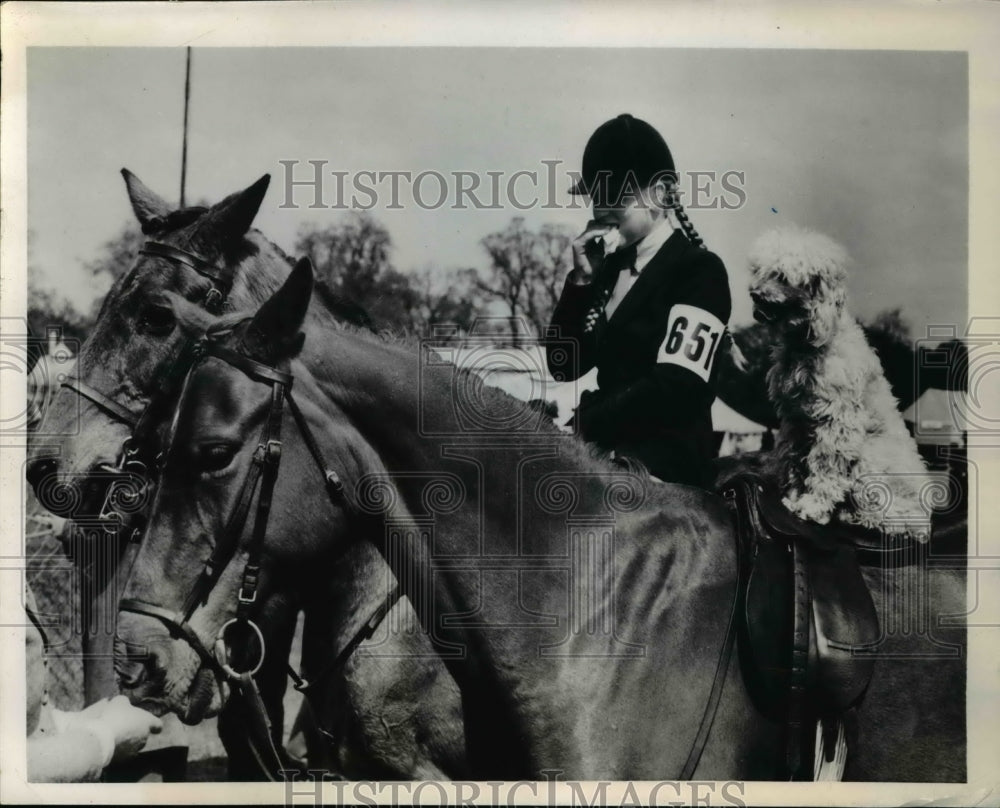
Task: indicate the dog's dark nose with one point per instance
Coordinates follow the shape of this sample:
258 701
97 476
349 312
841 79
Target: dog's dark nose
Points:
760 308
39 468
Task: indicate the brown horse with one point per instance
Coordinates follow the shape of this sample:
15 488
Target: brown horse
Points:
582 612
212 258
537 692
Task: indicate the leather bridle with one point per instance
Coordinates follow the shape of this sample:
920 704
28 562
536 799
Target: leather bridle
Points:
138 456
130 461
258 483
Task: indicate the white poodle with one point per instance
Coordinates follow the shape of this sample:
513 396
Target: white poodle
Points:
842 448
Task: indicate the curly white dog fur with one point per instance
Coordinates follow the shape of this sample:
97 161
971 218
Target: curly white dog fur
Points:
842 448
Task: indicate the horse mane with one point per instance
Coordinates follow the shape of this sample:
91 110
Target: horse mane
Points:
407 343
193 320
175 220
343 309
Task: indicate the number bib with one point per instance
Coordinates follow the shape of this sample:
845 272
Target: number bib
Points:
693 336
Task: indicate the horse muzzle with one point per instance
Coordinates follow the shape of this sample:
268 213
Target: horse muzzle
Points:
140 675
164 674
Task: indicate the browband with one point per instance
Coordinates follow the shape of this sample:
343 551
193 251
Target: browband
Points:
196 262
251 367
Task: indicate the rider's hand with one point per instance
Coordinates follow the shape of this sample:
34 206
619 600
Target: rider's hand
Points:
130 726
588 252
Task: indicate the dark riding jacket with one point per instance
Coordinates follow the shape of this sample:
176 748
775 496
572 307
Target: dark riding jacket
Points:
655 359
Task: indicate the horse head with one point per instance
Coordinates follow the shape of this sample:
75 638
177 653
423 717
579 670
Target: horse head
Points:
208 569
208 256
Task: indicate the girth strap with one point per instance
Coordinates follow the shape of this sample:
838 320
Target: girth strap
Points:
714 697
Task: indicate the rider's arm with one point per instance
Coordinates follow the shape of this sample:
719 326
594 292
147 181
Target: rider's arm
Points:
62 747
573 353
676 388
76 756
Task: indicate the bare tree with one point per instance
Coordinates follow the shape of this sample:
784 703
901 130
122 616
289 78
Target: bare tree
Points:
117 255
352 260
48 307
554 252
526 268
446 297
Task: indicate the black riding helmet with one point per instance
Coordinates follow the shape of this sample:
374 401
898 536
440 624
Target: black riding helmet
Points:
623 154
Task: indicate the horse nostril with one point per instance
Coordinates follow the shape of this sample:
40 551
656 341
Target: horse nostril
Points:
40 468
130 674
131 663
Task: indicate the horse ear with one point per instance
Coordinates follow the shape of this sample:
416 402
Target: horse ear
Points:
230 219
275 332
146 205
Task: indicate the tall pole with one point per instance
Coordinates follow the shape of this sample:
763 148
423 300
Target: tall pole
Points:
187 99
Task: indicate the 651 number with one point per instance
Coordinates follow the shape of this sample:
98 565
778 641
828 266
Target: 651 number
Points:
694 344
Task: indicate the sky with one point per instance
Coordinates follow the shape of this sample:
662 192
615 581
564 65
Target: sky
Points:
869 147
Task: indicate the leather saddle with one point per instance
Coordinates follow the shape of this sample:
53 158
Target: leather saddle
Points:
806 617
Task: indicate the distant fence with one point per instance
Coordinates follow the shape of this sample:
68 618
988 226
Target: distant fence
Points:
55 583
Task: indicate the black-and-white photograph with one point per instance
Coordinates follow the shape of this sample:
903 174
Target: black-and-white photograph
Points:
398 419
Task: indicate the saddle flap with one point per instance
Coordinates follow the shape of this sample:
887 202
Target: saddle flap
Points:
842 618
845 625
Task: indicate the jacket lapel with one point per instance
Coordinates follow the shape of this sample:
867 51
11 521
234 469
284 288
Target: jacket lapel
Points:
657 272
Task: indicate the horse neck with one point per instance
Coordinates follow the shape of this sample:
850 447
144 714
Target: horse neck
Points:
342 592
375 383
405 421
678 545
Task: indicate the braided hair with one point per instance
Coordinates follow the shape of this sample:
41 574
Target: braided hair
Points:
673 203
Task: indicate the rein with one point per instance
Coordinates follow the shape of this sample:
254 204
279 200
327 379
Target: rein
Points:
259 483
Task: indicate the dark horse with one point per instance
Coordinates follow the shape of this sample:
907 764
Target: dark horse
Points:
211 258
582 612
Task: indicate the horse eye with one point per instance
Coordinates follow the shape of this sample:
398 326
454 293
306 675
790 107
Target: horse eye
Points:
157 320
214 456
